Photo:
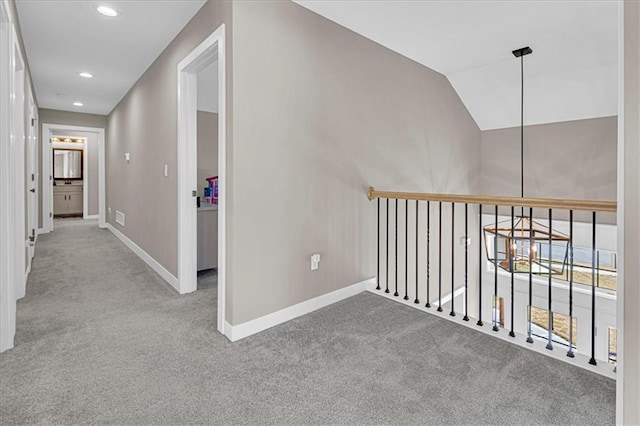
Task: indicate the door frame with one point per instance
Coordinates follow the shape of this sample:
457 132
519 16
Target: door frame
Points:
18 181
7 251
47 174
210 50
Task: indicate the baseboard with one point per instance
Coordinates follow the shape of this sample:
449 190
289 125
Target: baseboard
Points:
166 275
41 231
93 216
240 331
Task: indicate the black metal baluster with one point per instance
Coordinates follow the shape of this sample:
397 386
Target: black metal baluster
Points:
494 314
406 249
466 262
512 256
592 361
396 229
453 256
417 209
570 353
428 304
550 312
480 323
378 275
440 257
532 250
387 251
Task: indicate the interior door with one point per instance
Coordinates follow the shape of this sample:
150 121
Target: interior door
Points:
32 179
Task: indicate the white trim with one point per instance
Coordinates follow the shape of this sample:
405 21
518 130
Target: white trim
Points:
7 289
603 368
620 223
146 257
47 182
240 331
85 178
210 50
92 216
40 231
18 175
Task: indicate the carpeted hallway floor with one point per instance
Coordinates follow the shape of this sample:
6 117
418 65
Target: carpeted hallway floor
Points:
102 339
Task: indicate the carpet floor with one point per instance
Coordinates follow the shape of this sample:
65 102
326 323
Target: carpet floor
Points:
102 339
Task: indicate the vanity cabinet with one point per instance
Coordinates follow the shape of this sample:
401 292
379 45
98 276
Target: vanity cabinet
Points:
67 200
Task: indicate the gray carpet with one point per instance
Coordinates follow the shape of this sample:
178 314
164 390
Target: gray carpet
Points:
102 339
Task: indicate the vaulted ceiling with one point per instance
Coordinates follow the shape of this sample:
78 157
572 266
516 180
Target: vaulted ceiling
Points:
64 38
572 73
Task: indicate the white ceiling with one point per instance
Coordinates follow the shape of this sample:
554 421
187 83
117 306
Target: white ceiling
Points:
208 88
572 73
65 37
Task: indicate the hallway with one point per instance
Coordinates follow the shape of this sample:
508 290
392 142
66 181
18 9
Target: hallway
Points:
102 339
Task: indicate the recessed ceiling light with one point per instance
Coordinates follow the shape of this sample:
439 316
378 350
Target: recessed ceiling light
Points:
107 11
86 75
78 104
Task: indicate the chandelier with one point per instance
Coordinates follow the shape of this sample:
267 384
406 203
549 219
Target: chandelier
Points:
522 245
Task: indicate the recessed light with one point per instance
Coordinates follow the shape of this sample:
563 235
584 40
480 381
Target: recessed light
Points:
78 104
107 11
86 75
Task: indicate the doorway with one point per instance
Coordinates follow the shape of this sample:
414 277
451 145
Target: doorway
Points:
67 194
210 51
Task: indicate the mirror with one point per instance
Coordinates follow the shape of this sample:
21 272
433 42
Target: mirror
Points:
67 164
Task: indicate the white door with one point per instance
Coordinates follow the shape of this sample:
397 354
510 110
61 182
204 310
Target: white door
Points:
32 179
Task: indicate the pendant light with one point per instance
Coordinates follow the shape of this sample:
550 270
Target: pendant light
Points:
519 247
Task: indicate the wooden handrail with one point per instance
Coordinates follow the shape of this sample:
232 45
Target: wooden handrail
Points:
545 203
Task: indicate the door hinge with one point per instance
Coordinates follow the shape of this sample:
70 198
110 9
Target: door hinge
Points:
50 214
33 176
194 193
33 122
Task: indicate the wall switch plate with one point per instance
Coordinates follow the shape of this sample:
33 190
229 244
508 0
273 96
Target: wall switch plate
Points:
166 170
127 156
315 261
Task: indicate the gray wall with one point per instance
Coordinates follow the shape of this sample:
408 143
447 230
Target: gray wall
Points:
144 124
630 203
207 148
320 114
51 116
569 160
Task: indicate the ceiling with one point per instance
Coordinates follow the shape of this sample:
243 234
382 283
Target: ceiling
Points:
65 37
572 73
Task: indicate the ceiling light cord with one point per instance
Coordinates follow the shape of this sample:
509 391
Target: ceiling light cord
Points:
522 126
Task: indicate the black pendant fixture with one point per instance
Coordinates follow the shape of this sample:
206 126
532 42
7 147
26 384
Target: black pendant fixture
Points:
520 246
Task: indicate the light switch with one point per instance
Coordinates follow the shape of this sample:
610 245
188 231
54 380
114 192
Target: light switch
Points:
127 157
166 170
315 261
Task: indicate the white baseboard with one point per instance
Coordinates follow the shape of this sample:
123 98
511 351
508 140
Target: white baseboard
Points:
93 216
166 275
240 331
41 231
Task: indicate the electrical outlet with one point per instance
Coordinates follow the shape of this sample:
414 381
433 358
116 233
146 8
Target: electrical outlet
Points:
315 261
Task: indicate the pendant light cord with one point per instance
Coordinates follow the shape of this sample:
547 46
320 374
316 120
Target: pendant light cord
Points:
522 126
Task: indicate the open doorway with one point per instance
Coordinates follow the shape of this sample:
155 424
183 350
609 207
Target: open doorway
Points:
210 53
207 170
72 174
